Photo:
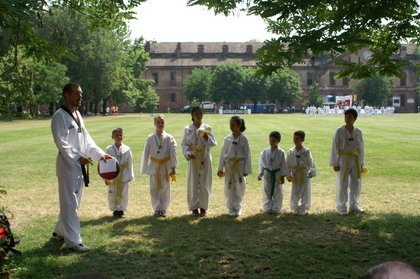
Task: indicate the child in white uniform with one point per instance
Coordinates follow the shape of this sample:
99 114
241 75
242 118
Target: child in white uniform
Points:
302 168
273 168
196 144
347 160
159 161
235 158
118 187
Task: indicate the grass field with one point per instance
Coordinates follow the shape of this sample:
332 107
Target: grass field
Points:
320 245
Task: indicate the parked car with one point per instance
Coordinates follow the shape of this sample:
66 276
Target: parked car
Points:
185 109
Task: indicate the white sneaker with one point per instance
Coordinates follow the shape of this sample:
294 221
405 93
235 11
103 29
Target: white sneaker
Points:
79 248
232 212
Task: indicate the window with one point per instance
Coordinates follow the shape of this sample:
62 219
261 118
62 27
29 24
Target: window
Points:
309 78
173 77
403 81
155 77
173 97
332 80
345 81
403 100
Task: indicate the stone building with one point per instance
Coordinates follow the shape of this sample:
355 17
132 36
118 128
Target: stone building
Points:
171 63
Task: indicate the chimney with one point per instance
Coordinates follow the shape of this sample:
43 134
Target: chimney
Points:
225 50
249 49
200 49
147 47
178 50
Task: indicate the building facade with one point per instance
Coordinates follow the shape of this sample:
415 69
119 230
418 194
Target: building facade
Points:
171 63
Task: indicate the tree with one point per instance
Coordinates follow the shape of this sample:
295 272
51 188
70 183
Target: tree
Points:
197 85
305 28
21 19
255 86
374 91
314 96
227 84
284 87
49 81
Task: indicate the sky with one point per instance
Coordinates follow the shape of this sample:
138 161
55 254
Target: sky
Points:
173 21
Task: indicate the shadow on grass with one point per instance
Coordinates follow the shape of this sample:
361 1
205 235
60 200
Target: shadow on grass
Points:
259 246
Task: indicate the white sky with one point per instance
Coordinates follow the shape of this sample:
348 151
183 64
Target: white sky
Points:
173 21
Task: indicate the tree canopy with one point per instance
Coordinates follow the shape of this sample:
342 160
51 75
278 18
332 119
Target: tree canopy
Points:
306 28
374 91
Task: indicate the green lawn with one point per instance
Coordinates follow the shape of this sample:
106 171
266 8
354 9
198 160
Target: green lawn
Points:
320 245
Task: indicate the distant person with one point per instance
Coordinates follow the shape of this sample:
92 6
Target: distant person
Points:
235 159
347 160
196 144
392 270
159 161
302 168
118 187
76 150
273 169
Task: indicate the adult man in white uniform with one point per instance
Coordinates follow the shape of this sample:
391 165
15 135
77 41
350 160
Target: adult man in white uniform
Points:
76 149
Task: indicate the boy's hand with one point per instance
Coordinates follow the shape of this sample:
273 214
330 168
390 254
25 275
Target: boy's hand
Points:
220 174
259 177
336 168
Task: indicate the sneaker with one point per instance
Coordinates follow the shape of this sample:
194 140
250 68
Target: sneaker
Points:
121 213
296 212
163 213
157 213
57 236
79 248
196 213
238 213
116 214
203 212
232 213
356 211
342 213
303 212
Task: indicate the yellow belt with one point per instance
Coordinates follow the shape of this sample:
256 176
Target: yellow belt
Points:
353 153
300 174
160 162
235 169
118 183
199 164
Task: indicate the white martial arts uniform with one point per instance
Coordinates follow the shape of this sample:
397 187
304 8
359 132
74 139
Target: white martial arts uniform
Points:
301 167
347 152
118 190
72 142
199 169
235 157
272 166
159 157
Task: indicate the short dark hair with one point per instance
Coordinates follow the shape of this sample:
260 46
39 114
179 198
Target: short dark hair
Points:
384 270
300 134
275 135
69 87
194 109
351 111
117 130
239 121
